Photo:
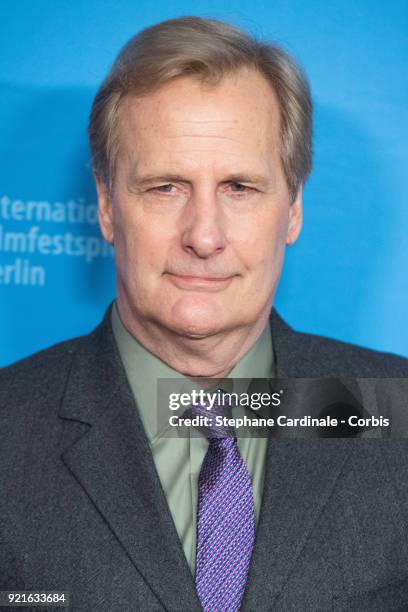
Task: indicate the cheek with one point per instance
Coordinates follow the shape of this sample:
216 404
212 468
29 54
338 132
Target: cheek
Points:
139 241
262 245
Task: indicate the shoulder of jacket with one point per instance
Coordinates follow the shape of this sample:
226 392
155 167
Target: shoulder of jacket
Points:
39 374
367 362
324 356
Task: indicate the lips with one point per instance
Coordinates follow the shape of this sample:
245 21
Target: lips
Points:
187 281
199 277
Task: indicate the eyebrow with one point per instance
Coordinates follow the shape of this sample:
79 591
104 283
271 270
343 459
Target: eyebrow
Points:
246 178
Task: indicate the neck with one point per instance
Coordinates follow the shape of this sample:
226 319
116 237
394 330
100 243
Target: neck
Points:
212 356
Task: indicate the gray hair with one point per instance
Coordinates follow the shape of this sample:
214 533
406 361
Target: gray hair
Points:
206 49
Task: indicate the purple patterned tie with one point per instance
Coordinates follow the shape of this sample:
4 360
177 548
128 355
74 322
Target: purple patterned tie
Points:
225 525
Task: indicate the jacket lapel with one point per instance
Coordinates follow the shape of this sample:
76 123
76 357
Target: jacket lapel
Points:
299 478
108 453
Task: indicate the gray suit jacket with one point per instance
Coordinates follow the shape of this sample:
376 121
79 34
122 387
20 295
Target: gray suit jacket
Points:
82 508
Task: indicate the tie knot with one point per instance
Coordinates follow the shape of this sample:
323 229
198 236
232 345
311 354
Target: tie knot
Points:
223 445
215 422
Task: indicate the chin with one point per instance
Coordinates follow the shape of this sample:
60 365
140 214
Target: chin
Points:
192 327
197 317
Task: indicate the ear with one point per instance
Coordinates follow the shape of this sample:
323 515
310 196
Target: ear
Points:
104 209
295 219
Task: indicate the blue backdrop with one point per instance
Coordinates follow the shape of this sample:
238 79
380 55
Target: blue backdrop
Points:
347 275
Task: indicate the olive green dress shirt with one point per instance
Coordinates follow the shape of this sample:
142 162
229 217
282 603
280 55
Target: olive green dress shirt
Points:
178 460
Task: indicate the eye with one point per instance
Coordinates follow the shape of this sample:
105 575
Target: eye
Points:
167 188
240 188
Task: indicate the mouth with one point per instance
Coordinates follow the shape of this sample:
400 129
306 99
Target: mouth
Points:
203 283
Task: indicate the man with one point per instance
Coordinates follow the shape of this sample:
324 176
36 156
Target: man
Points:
201 142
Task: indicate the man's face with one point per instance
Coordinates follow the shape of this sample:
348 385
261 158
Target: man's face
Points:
199 212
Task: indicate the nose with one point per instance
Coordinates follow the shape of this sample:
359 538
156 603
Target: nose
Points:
203 233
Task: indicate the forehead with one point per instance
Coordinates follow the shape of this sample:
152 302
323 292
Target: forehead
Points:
239 115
